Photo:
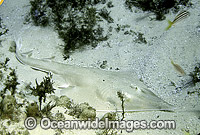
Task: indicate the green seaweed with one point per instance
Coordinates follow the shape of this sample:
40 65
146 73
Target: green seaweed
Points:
32 110
76 21
4 64
140 38
109 4
47 109
3 29
11 82
122 98
106 15
45 87
8 104
137 36
9 108
64 101
196 92
121 27
38 13
1 75
80 31
195 78
112 116
83 111
195 75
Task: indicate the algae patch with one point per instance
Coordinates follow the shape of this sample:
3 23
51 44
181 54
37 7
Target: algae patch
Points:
10 107
11 81
76 21
45 87
3 29
138 37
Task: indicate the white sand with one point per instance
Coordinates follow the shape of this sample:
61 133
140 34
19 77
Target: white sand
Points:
150 61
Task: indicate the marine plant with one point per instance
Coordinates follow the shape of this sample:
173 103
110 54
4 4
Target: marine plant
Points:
46 111
3 29
122 98
195 74
137 36
64 101
83 111
32 110
197 91
8 107
159 7
195 78
38 13
11 82
8 104
4 64
109 4
121 27
76 21
105 15
111 116
1 75
45 87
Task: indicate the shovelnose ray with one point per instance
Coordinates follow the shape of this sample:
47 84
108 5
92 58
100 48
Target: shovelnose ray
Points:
99 87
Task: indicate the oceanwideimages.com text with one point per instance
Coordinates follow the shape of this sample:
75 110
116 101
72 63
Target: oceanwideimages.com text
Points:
128 125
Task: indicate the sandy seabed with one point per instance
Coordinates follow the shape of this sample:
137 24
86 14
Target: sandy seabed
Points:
151 61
